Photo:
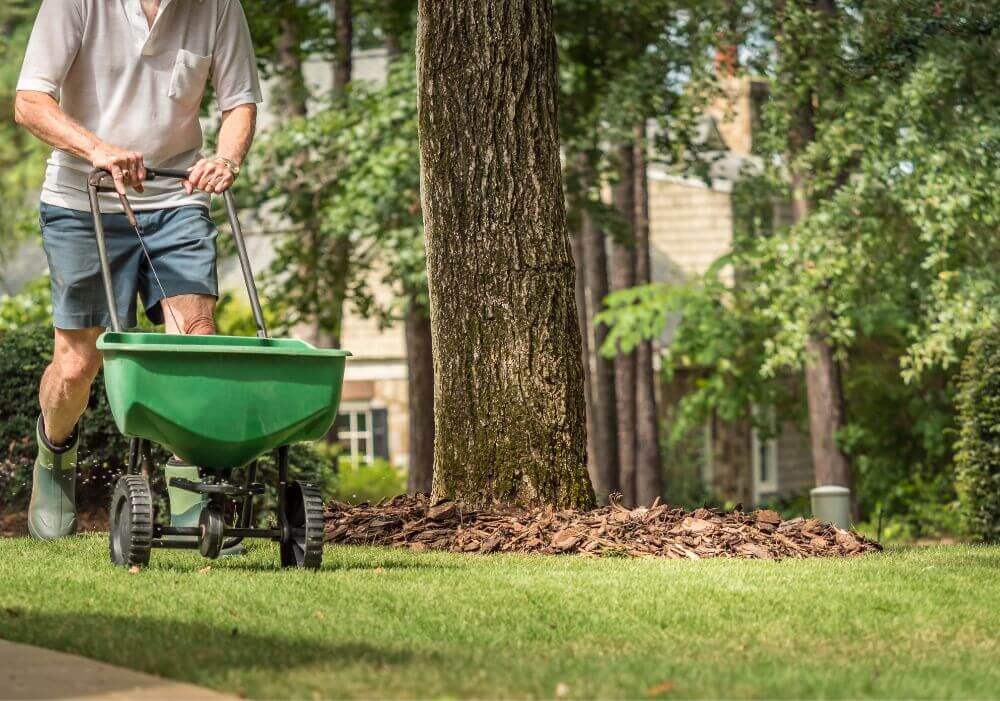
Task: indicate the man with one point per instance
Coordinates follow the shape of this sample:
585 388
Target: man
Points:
118 84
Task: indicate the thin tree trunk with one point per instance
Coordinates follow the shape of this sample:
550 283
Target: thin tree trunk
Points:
824 384
623 277
339 261
576 245
343 18
290 100
604 409
420 386
649 480
508 382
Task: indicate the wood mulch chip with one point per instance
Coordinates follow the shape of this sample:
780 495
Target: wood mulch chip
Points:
418 523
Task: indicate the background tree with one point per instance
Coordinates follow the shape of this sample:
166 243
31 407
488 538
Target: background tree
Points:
509 404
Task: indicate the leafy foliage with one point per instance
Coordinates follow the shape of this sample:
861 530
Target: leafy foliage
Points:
352 171
979 444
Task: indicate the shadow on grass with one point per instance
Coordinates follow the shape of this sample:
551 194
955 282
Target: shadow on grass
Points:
194 652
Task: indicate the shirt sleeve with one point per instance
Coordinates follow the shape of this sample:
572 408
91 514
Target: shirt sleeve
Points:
53 46
234 66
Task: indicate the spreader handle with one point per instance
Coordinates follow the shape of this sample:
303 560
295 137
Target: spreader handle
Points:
94 185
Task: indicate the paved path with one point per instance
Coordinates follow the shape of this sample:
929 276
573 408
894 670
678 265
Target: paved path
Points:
28 672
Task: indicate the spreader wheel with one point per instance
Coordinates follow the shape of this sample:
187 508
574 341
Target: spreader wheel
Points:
211 525
302 526
131 525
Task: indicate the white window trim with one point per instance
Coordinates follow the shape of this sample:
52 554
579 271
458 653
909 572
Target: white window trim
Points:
353 435
764 486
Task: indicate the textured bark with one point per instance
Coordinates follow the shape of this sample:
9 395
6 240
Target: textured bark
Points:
824 385
508 381
420 386
649 478
605 423
339 254
622 277
343 18
580 293
290 100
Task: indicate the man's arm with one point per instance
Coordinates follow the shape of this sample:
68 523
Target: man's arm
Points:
235 137
40 114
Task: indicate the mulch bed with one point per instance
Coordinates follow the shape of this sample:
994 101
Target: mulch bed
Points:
420 524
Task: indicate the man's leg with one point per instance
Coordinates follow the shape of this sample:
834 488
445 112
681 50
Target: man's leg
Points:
66 383
192 315
63 397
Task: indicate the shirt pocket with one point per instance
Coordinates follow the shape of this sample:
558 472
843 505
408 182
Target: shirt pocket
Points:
187 84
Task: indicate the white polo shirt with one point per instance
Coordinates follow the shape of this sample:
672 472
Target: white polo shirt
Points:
137 87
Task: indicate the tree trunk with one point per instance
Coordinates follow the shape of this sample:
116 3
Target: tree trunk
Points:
576 246
623 277
420 386
290 100
604 409
649 480
340 249
824 385
508 383
343 18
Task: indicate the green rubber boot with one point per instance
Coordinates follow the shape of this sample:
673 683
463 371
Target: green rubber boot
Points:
52 510
185 506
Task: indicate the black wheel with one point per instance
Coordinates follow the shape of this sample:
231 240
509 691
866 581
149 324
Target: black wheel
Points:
211 524
302 527
131 525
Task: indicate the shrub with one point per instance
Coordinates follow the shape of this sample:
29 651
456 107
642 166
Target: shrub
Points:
979 442
24 353
368 482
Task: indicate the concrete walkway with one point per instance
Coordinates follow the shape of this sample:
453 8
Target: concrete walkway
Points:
28 672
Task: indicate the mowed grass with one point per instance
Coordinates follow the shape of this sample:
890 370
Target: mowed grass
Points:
916 623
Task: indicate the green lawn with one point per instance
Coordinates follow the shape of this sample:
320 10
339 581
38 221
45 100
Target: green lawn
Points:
918 623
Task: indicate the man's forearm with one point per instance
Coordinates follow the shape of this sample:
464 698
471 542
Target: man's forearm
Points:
236 132
41 115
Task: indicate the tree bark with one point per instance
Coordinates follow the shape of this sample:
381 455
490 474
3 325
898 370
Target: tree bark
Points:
580 294
824 384
649 478
605 413
290 101
420 386
339 261
342 63
622 277
508 381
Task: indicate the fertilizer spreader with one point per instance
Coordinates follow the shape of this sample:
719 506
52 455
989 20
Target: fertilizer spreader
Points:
218 402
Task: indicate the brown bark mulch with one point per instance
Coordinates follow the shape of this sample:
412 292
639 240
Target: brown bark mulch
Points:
420 524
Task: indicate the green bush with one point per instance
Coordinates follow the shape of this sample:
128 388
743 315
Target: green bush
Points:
368 482
979 443
24 354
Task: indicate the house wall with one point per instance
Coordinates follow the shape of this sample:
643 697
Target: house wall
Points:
690 226
795 470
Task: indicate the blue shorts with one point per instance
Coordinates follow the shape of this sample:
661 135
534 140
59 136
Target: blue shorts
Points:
181 244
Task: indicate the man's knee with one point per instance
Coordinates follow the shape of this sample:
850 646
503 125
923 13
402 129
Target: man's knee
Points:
77 370
194 314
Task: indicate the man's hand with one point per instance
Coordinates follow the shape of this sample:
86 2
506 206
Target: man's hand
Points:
210 175
126 167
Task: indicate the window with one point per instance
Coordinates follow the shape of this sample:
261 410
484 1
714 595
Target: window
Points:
765 456
363 431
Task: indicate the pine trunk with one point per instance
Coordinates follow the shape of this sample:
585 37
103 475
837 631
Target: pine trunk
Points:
339 254
576 247
605 424
508 382
623 277
649 480
420 386
824 384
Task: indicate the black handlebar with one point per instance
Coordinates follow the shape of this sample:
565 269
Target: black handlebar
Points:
94 185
